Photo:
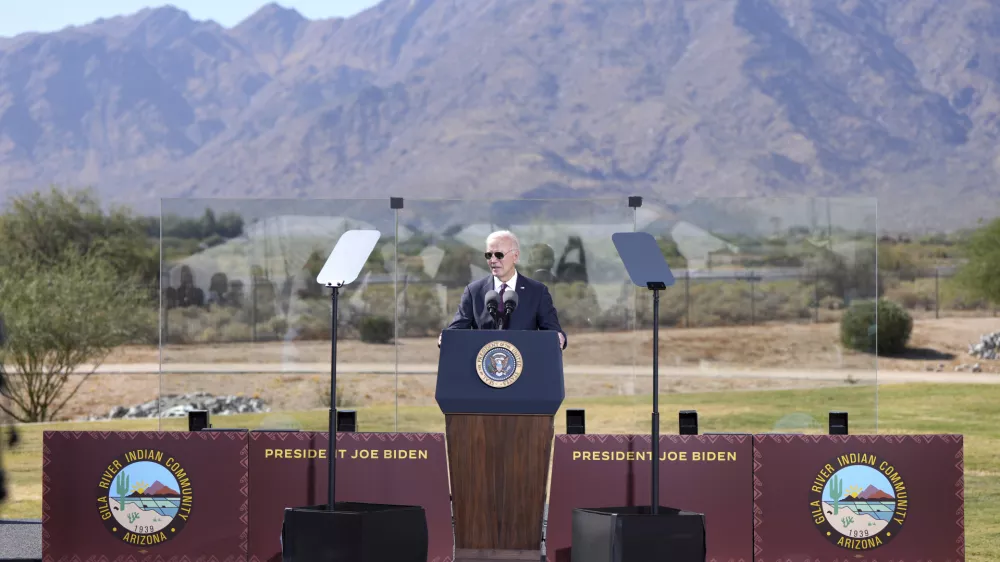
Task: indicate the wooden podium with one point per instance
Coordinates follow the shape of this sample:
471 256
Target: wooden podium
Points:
499 391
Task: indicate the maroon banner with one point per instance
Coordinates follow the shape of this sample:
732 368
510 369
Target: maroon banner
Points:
289 469
710 474
144 496
826 498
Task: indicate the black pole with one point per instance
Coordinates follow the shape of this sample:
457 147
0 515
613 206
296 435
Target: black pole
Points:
331 448
687 299
937 292
655 434
816 298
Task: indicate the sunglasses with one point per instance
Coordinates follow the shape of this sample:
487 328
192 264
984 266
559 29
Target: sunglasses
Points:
499 255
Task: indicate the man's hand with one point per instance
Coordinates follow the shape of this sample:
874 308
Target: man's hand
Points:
562 340
439 340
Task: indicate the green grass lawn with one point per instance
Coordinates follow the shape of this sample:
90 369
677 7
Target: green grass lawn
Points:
970 410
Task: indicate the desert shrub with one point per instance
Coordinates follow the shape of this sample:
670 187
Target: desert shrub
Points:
978 276
60 317
831 303
421 312
894 327
576 304
835 276
376 329
908 297
728 303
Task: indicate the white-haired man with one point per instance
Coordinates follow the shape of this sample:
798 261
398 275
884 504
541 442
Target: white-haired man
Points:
535 309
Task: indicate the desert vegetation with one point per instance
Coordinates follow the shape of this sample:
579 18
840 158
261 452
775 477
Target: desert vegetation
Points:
81 280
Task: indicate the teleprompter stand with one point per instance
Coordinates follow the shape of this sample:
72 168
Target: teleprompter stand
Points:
350 531
641 533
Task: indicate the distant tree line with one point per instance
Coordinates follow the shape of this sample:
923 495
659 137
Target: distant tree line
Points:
208 226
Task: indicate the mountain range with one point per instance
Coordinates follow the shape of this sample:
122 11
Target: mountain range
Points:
157 489
871 493
669 99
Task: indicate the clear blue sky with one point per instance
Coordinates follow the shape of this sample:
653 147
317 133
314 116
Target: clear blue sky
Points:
19 16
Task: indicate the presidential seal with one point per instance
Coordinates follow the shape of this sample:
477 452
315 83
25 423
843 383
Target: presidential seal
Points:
858 501
498 364
144 497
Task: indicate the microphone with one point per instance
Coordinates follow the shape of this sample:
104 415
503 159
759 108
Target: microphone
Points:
492 304
509 302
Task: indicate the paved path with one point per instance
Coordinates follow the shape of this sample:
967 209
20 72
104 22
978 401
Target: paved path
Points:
859 375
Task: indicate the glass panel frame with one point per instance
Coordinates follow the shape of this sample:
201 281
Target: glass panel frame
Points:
768 270
245 320
761 286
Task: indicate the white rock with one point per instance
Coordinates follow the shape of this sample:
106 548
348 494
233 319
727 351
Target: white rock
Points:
178 406
988 347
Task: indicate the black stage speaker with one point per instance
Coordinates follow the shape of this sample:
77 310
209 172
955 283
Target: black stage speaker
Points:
347 421
576 422
198 420
354 532
687 422
838 423
634 534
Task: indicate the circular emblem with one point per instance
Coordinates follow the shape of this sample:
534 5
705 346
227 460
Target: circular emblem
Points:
499 364
144 497
859 501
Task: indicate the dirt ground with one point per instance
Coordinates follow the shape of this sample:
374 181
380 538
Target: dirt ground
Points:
808 346
935 345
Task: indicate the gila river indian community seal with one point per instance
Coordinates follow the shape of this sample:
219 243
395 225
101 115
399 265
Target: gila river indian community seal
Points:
859 501
144 497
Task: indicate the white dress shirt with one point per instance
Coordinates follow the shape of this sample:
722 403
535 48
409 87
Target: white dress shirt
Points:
511 283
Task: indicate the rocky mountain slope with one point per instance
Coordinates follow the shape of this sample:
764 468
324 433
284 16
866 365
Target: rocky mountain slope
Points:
535 98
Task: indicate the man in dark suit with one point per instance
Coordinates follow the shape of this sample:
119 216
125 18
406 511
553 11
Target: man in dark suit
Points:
535 309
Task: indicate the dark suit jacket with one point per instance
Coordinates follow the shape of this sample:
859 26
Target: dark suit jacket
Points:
535 310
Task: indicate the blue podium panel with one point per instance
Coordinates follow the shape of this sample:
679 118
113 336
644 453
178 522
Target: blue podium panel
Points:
500 372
